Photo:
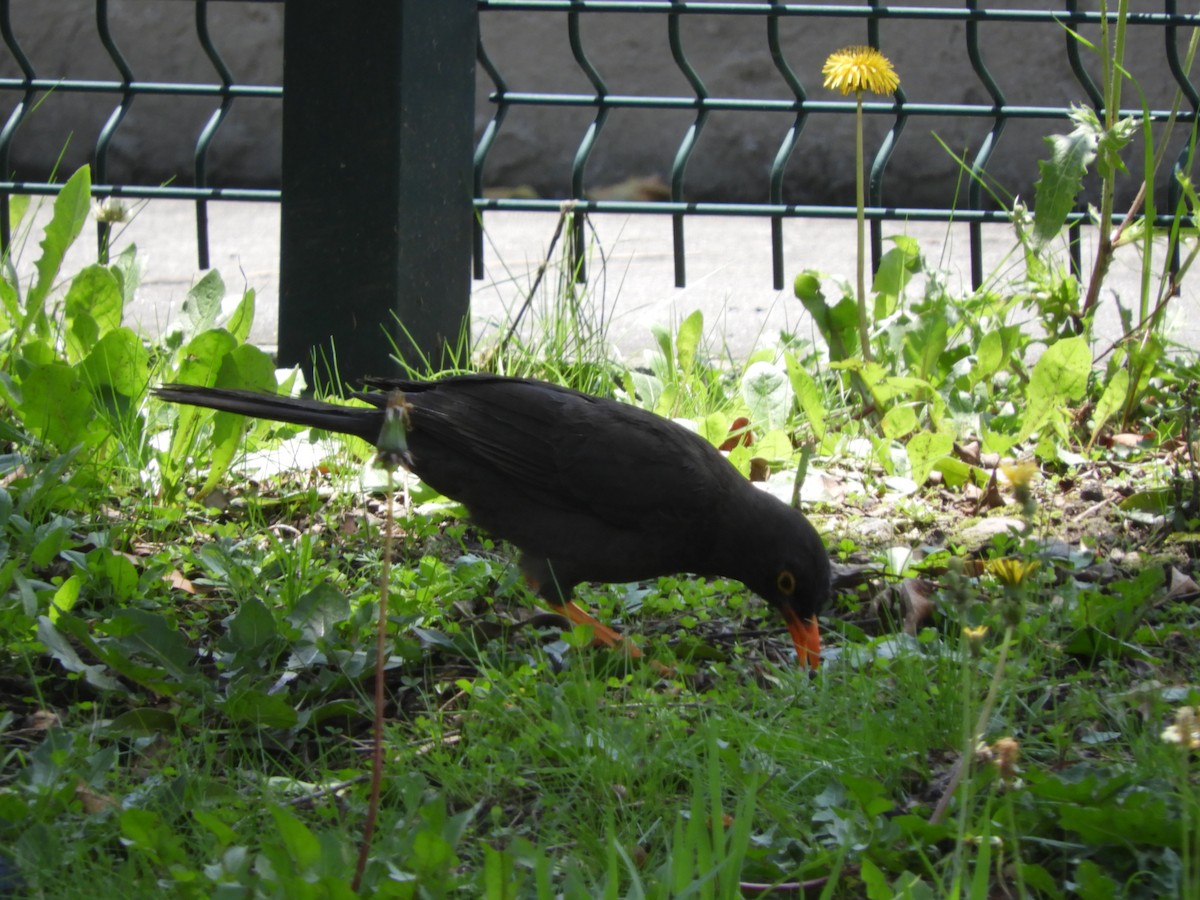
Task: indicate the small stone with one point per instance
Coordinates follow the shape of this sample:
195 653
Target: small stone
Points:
985 529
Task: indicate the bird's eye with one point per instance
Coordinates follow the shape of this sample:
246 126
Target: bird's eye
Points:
786 582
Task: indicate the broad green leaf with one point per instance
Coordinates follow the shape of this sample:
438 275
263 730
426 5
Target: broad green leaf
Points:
687 341
1110 401
248 368
50 539
201 359
431 852
93 307
71 208
924 344
809 395
899 421
957 473
126 270
202 305
995 441
10 305
925 450
56 405
251 706
245 368
114 574
144 829
120 362
1058 378
665 343
768 394
667 397
1060 182
896 269
499 874
60 649
302 845
774 445
251 627
242 318
714 428
645 387
65 597
319 611
837 324
18 205
990 356
200 364
148 720
1090 881
152 637
1155 501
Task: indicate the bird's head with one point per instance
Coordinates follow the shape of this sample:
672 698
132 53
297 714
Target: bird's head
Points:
792 574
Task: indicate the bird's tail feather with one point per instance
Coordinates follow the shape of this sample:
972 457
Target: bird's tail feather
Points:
363 423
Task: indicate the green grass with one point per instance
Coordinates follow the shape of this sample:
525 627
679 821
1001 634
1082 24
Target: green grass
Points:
185 689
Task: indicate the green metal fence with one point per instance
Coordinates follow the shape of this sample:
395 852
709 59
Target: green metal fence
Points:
974 15
25 91
390 87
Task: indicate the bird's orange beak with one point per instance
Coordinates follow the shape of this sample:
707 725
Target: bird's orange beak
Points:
807 638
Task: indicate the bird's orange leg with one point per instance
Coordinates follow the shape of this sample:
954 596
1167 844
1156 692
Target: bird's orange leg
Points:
602 634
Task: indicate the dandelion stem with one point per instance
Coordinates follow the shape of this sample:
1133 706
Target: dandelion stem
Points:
860 199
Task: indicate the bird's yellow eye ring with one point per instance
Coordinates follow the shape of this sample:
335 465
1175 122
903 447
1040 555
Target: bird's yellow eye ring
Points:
785 581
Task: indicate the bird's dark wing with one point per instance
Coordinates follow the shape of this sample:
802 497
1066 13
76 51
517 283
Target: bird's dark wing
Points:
559 449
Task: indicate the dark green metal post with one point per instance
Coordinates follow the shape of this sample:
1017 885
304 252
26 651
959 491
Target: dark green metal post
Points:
378 139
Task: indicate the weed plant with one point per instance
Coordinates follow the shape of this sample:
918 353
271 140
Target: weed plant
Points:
190 640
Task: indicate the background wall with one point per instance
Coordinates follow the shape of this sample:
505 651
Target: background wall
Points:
536 147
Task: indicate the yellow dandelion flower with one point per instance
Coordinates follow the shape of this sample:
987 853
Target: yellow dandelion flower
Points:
1011 571
974 638
1019 474
860 69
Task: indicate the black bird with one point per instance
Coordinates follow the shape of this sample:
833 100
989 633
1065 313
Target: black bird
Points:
587 488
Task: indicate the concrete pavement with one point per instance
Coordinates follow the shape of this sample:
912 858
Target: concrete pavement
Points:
631 275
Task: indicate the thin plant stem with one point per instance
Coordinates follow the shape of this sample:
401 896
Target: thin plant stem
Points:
1112 58
364 849
860 199
564 213
985 714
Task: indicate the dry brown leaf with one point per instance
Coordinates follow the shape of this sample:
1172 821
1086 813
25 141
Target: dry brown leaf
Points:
739 433
177 581
969 453
42 720
1128 440
92 802
1180 585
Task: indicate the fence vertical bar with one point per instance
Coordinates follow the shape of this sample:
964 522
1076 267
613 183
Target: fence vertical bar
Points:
14 120
204 141
378 139
687 144
978 167
104 140
884 154
786 146
481 150
577 256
